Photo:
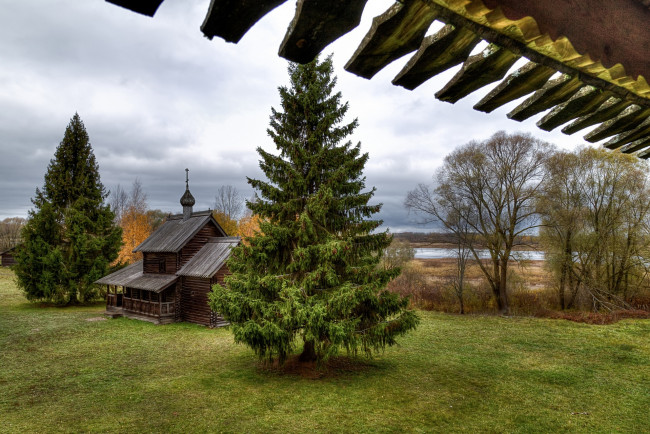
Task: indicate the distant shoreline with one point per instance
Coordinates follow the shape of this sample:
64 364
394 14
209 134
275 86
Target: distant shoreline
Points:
422 245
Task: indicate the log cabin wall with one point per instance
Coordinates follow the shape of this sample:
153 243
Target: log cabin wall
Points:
221 275
194 300
177 300
200 239
160 263
8 259
216 319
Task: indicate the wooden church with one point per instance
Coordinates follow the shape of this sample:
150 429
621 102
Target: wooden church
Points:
181 261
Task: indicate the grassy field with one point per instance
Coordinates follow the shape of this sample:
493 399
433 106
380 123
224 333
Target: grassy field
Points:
65 370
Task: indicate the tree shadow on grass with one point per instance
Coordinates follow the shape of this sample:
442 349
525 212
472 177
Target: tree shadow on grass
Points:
335 367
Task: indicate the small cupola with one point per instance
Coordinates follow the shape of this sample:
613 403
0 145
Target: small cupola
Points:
187 200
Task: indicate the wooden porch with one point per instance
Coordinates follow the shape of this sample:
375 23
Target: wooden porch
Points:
158 308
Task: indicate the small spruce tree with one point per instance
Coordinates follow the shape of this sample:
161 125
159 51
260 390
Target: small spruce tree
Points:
70 238
312 271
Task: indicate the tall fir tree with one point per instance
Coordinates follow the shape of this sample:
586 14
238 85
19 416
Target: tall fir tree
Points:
70 237
312 271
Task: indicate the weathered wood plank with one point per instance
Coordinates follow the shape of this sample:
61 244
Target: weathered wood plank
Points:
144 7
643 154
613 32
393 34
231 19
484 68
585 101
554 92
446 49
611 108
623 122
159 263
523 81
201 238
640 132
317 24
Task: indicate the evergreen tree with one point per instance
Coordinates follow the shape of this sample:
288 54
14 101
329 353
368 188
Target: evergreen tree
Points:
312 271
70 238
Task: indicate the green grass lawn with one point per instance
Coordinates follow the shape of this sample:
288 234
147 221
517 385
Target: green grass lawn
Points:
61 370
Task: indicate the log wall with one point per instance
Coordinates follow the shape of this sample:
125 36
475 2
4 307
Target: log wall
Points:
152 263
221 275
200 239
8 259
194 300
216 320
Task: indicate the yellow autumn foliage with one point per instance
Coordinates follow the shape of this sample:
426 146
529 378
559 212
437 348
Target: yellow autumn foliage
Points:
227 224
248 226
136 227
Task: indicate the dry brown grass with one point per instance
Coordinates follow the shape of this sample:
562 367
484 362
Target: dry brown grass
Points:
601 318
530 290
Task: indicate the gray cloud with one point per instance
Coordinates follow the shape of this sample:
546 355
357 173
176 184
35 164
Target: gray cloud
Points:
157 97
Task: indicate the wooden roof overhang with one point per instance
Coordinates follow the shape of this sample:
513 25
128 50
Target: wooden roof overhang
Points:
9 250
599 49
175 232
209 260
132 276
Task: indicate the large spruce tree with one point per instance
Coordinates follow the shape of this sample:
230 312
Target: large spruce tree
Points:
312 272
70 238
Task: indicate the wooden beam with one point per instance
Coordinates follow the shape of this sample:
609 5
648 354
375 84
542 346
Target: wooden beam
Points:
393 34
144 7
585 101
640 132
317 24
523 81
555 53
554 92
447 48
610 31
621 123
611 108
231 19
489 66
637 146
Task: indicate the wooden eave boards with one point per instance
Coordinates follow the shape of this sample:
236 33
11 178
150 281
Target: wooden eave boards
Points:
587 93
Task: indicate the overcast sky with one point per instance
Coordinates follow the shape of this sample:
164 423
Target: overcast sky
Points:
156 96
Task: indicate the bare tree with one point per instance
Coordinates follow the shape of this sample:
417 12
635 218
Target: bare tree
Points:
137 197
118 201
10 232
596 211
561 205
229 202
458 225
121 200
490 186
398 254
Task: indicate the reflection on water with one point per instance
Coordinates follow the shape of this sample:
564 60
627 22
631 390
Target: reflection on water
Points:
438 253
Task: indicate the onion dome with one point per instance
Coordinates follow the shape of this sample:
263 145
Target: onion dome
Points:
187 199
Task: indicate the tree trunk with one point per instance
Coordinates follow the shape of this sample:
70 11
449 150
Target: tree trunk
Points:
502 299
308 352
567 260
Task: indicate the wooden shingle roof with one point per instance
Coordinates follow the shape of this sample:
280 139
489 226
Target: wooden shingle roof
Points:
133 277
172 235
210 258
10 249
587 61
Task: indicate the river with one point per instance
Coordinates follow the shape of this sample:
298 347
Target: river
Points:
438 253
